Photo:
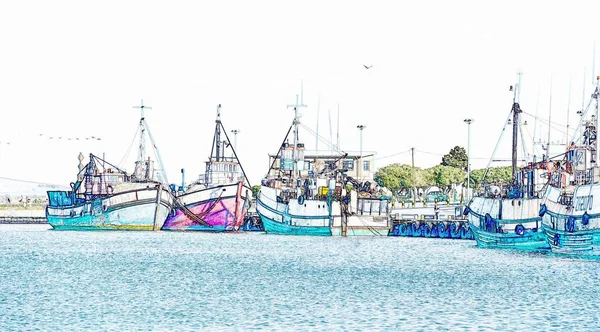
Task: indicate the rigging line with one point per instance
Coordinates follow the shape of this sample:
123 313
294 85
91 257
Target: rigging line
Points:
157 153
525 154
554 127
497 145
27 181
279 149
583 115
235 155
534 149
329 144
441 154
393 155
432 153
130 147
544 121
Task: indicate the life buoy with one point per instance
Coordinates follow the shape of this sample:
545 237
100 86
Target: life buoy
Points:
570 225
585 218
520 230
556 239
490 223
543 210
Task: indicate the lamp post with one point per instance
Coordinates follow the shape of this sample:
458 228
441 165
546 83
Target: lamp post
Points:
360 166
468 122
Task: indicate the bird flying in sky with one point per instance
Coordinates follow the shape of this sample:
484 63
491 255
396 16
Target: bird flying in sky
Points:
368 67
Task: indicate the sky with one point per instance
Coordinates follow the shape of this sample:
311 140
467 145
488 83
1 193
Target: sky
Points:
75 69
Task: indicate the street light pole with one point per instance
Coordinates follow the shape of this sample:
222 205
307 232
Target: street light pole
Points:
360 166
468 122
235 132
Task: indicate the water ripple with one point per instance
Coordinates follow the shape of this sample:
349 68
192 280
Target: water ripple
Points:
147 281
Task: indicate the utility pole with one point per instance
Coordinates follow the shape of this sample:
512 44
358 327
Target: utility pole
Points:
412 151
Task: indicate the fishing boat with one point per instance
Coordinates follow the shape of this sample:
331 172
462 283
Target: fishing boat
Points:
570 214
218 200
507 216
105 197
301 200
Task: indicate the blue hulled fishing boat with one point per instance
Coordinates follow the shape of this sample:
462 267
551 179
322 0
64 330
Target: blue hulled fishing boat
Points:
286 204
570 214
105 197
508 217
298 198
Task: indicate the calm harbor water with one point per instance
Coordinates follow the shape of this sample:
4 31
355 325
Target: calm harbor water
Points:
52 280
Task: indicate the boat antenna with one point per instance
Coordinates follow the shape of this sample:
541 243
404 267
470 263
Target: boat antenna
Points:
317 138
337 144
593 62
537 109
330 130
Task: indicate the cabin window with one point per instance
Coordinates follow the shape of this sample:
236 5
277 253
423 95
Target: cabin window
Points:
366 165
349 164
306 165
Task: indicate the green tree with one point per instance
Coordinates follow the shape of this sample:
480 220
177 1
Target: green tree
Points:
495 175
397 176
255 190
457 158
445 176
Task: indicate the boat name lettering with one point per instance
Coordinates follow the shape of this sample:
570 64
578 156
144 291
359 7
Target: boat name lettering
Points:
583 203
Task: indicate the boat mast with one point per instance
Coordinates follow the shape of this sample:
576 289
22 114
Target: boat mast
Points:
217 138
549 121
516 109
595 143
299 103
142 147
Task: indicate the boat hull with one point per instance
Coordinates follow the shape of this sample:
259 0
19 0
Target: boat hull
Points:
133 210
309 218
275 227
572 229
506 223
221 208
